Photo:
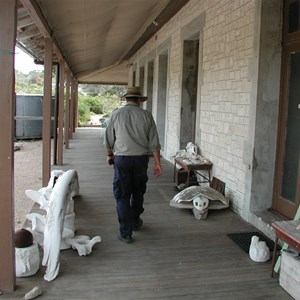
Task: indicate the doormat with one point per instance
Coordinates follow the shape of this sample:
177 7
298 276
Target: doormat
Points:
243 240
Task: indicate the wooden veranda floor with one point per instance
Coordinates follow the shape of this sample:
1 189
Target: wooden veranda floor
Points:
174 256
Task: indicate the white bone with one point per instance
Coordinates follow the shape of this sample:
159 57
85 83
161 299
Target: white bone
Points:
35 292
54 224
201 203
39 198
216 199
27 260
83 244
56 231
258 250
38 222
200 215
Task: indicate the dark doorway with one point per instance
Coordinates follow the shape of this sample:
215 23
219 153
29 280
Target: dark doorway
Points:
189 92
142 78
286 198
162 97
150 85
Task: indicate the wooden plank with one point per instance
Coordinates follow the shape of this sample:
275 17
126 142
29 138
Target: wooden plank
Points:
289 229
174 256
8 27
76 107
61 101
72 100
37 16
47 111
67 112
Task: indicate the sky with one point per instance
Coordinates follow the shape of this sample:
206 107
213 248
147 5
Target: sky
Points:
24 63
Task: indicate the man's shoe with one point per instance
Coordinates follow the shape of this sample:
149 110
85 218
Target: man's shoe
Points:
138 225
126 239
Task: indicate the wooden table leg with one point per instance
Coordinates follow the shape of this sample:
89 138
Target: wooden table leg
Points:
174 172
188 178
274 255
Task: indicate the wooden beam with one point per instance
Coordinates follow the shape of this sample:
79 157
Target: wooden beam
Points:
8 27
37 16
67 118
47 111
76 107
61 100
72 108
28 33
24 22
35 43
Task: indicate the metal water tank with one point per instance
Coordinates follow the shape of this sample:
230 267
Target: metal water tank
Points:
29 116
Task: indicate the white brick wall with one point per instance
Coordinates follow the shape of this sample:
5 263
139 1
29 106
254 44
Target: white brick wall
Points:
228 49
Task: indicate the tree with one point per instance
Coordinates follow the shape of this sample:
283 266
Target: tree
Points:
84 114
100 89
92 98
32 83
36 77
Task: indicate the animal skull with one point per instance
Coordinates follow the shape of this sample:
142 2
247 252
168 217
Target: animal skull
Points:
201 203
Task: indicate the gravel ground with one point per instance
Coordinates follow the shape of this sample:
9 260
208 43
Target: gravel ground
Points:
27 176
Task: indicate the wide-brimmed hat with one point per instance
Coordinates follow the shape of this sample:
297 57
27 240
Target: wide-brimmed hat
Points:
135 92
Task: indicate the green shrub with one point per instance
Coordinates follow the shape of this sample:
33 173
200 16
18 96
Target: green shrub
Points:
101 104
94 103
84 115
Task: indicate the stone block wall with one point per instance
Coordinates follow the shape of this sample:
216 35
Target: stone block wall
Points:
228 52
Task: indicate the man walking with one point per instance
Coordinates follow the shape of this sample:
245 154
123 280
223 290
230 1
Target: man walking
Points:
130 136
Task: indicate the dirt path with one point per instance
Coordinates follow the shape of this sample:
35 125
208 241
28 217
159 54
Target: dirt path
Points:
27 175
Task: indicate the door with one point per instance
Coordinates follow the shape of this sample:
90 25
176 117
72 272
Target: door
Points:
286 196
287 182
189 91
162 98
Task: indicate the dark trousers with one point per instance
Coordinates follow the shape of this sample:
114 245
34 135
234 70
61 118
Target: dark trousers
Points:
130 182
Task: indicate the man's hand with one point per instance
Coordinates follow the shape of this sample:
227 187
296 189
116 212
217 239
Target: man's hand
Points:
110 159
157 170
157 165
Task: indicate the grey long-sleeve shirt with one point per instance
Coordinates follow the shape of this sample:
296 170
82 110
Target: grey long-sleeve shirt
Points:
131 130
